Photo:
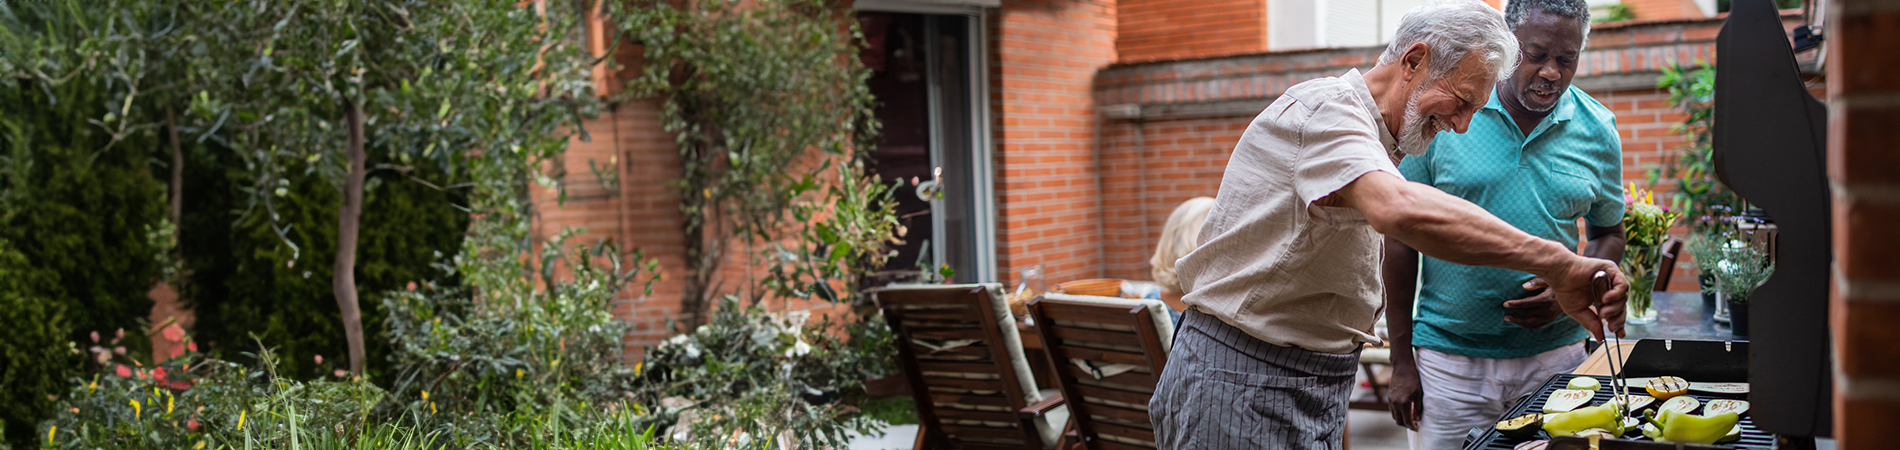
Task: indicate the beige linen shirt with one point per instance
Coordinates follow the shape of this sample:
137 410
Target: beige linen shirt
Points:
1270 262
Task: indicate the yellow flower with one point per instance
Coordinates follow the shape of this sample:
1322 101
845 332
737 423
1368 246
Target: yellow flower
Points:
241 419
432 408
50 432
517 374
636 368
200 446
425 396
136 409
168 404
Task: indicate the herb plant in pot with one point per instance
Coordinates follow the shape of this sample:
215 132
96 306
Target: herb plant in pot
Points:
1738 267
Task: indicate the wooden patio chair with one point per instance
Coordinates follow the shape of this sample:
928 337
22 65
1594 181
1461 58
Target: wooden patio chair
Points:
1109 352
1671 248
959 348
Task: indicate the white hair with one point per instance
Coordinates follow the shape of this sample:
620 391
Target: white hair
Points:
1455 30
1178 238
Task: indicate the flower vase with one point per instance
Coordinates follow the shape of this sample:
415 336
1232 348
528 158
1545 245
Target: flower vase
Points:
1738 319
1639 263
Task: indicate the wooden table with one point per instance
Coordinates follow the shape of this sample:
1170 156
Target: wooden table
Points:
1599 364
1680 315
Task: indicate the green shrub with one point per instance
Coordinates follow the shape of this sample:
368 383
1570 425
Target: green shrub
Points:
78 211
246 279
198 403
36 358
765 376
505 348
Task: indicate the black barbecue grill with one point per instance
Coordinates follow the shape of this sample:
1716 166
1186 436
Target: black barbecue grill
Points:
1752 437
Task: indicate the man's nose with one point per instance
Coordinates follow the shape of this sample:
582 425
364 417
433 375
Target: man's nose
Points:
1461 121
1549 73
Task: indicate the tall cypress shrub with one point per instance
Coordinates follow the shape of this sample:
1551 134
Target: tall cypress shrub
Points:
79 216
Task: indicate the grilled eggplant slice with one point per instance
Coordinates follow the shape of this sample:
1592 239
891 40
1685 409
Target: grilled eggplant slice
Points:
1522 427
1564 400
1684 404
1719 406
1532 445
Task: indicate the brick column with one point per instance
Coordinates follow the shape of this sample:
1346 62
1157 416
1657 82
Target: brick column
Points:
1863 37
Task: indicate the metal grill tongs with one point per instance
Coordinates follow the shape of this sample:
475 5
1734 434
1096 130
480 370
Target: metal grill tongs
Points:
1600 283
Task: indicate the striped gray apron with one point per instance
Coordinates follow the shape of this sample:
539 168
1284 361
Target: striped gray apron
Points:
1225 389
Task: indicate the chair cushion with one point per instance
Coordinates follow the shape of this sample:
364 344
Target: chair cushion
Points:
1049 425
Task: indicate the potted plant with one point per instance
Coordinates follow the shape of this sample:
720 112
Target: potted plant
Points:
1737 267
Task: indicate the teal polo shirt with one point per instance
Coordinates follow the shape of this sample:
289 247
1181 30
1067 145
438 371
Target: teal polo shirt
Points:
1569 167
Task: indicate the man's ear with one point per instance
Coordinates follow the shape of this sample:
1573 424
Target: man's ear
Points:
1416 62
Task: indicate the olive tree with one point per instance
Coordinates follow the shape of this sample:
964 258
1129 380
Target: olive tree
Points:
319 84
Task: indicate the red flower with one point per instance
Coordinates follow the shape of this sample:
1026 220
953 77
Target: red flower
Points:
193 346
121 370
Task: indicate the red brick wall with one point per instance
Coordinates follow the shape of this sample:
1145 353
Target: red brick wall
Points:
643 214
1150 168
1149 30
1044 57
1184 157
1864 122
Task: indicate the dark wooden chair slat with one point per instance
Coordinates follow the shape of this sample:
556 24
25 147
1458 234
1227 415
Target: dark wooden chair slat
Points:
1107 356
1101 444
1093 335
971 399
949 414
1138 398
983 432
1088 313
1112 429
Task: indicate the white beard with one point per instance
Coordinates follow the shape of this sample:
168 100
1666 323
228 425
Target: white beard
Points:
1416 132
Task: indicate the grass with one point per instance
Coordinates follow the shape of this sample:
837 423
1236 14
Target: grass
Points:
898 410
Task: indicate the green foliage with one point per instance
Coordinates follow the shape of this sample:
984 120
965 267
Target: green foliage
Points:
199 403
1615 13
761 97
36 358
508 349
1738 265
81 230
244 281
767 376
1698 193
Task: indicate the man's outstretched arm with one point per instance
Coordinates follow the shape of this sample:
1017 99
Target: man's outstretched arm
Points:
1449 228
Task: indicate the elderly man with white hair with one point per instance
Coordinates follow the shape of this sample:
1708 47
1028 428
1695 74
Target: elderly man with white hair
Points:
1285 286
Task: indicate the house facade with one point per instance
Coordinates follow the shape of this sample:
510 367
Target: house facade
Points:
1068 130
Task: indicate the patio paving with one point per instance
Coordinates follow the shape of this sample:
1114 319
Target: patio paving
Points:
1371 430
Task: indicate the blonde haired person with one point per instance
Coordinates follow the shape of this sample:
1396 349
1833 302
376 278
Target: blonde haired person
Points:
1181 234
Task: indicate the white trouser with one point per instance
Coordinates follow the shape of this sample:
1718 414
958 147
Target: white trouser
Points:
1464 392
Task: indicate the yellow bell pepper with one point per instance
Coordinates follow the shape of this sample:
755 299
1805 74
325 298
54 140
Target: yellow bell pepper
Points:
1694 429
1569 423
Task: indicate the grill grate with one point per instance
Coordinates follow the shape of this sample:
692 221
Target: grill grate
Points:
1752 438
